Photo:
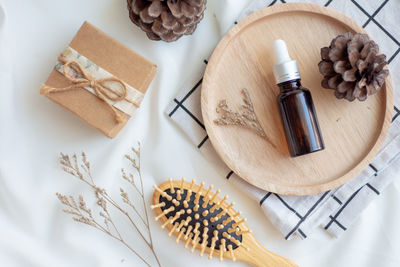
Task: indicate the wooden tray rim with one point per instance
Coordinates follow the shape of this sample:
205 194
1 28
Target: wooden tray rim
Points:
219 51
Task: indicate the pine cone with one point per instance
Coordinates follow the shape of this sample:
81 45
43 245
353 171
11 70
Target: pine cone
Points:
166 20
353 67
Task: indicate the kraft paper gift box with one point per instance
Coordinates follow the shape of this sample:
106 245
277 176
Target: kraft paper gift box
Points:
99 80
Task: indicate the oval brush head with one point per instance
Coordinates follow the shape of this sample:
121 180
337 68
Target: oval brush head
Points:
200 218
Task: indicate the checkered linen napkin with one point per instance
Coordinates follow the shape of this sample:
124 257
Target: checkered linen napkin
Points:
336 209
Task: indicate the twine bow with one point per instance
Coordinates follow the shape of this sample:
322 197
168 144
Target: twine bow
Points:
99 86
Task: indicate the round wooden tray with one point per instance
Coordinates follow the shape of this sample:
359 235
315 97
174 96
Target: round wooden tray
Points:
353 131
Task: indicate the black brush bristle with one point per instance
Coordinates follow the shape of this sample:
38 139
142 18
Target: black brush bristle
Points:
211 225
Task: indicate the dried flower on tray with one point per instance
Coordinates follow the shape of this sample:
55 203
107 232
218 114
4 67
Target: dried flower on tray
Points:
246 118
102 220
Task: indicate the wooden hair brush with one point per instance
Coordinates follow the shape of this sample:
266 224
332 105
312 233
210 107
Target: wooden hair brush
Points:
208 223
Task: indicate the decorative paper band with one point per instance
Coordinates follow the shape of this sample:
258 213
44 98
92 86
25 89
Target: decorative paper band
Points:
128 105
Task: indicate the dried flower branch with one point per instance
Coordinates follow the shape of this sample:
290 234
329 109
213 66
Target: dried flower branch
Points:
104 222
246 118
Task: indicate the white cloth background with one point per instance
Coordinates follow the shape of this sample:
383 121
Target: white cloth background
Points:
33 130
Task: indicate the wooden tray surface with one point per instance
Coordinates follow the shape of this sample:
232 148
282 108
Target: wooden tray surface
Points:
353 131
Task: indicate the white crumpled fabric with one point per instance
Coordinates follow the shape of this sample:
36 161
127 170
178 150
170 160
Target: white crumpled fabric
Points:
33 130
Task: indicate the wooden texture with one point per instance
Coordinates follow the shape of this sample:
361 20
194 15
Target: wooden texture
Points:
353 131
250 251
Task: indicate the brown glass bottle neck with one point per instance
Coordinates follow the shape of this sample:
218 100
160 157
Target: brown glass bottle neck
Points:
289 85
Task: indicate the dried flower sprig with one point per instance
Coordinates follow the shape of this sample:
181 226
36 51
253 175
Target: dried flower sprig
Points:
246 118
103 221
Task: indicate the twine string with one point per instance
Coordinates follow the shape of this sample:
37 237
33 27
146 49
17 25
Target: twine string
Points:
100 86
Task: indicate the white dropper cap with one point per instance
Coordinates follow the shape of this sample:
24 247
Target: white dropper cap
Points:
281 52
285 68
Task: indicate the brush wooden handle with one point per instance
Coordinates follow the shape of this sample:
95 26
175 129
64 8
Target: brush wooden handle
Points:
181 208
262 257
254 253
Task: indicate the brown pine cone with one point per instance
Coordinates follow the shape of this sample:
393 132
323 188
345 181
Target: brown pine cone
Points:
166 20
353 66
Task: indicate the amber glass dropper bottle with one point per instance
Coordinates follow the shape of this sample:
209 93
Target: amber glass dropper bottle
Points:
296 107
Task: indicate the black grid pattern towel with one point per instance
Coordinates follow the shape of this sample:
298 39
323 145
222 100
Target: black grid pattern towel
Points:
336 209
